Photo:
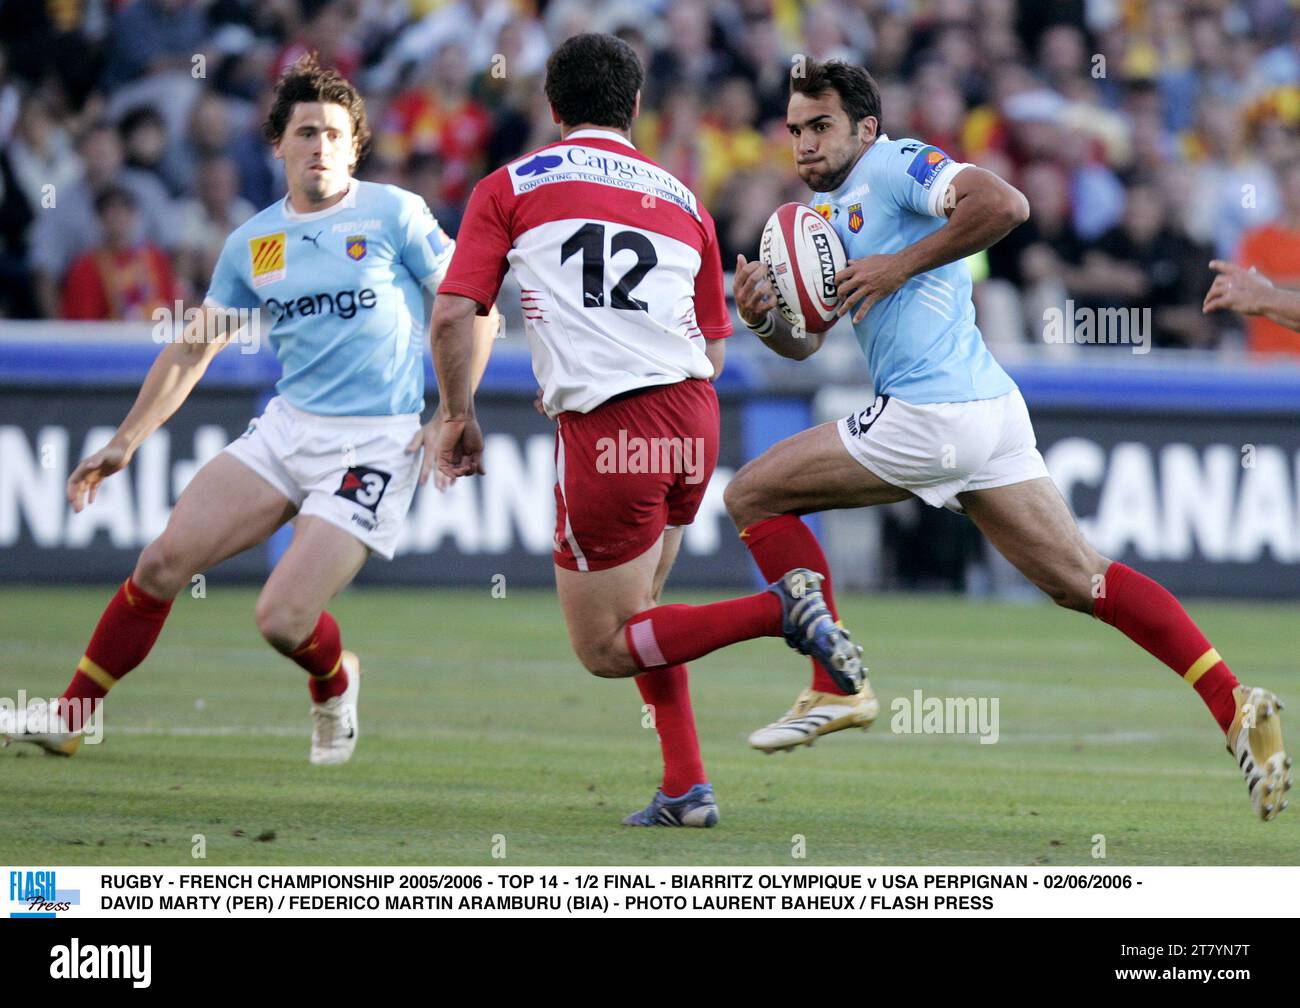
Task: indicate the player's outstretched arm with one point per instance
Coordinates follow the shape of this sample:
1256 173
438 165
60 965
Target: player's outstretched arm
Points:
981 208
168 384
486 329
460 443
1251 293
756 303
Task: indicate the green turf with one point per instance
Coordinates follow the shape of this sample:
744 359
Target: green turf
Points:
478 725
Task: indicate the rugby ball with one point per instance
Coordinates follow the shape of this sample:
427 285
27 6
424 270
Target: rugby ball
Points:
803 253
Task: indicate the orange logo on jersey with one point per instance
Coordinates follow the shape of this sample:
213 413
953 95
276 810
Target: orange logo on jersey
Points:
267 254
824 209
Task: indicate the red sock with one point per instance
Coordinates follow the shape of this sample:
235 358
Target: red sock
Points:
321 654
672 634
781 544
667 693
1151 617
123 638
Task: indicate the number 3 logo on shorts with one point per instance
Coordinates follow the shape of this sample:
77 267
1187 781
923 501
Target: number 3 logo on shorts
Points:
859 423
363 486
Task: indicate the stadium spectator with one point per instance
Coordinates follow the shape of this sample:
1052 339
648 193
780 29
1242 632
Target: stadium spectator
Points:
1154 269
259 181
762 60
210 134
831 31
124 278
1040 257
1096 193
424 178
144 144
687 59
10 100
439 116
729 143
16 214
1232 189
328 29
1274 250
206 220
1203 99
672 137
153 36
64 230
41 154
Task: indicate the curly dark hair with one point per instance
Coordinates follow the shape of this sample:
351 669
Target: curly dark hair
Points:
594 79
308 81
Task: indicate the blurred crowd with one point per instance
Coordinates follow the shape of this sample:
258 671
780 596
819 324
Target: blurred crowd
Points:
1149 137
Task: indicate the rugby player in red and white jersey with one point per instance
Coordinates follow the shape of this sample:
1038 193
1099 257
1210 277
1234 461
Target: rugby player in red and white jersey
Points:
626 315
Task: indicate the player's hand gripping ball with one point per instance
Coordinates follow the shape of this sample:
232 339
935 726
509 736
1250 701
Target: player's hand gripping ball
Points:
803 253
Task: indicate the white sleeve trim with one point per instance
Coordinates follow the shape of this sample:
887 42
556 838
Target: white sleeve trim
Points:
940 187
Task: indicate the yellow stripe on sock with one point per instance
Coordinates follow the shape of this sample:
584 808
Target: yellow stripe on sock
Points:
1202 665
92 671
130 597
332 672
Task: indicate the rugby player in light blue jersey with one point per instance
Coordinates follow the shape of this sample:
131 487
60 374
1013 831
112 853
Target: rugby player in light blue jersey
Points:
945 422
343 272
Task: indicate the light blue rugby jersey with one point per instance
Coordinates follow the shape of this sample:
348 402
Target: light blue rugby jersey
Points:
921 342
342 290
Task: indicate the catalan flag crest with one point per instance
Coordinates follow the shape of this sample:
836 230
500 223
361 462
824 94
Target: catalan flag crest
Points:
267 254
356 246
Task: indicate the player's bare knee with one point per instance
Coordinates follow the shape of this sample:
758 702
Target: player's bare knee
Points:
1069 592
607 660
281 626
160 570
743 499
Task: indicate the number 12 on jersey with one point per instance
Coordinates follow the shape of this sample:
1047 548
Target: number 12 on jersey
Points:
590 241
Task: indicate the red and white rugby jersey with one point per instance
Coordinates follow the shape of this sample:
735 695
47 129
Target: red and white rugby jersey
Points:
618 261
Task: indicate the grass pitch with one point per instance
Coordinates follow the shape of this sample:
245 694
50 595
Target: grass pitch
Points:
478 724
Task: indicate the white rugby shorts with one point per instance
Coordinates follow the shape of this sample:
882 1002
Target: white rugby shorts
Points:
352 471
938 450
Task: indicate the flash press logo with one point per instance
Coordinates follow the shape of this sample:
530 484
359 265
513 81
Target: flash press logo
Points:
75 961
37 894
